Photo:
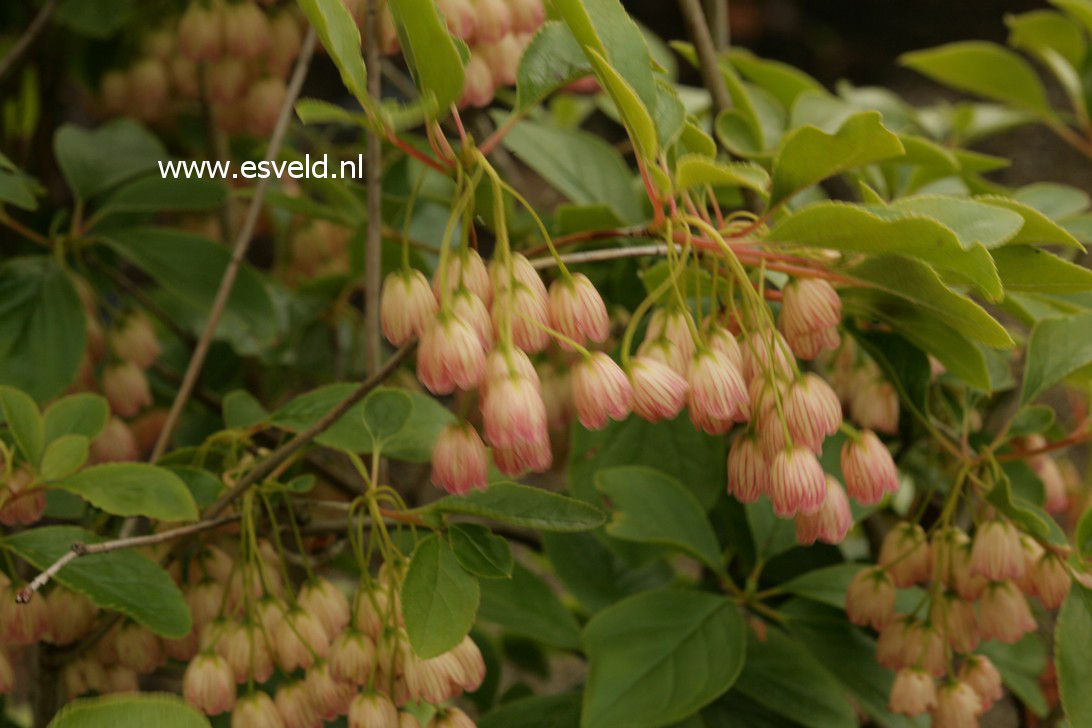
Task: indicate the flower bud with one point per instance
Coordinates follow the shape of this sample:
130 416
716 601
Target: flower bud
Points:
601 391
460 16
1054 487
955 620
114 444
148 89
812 411
722 340
535 456
716 391
765 349
809 345
913 693
330 697
450 355
831 522
295 705
1051 580
352 656
577 310
434 680
797 482
748 475
227 81
407 720
464 269
256 710
528 312
327 603
868 468
208 684
183 648
673 324
1003 613
406 305
285 40
135 341
114 92
263 105
665 352
24 500
451 717
374 611
372 710
906 555
299 640
527 15
494 20
22 624
875 406
138 648
200 36
870 598
502 58
471 664
958 706
514 413
121 680
459 460
997 553
659 393
147 427
126 389
183 74
246 30
951 549
7 674
467 306
979 672
504 362
70 615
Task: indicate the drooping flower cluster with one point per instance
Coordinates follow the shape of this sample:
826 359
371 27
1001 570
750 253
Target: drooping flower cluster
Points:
235 55
336 656
977 591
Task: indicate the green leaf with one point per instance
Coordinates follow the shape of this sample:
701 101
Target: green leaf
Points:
1024 268
905 365
852 228
96 161
674 447
784 82
317 111
538 711
17 189
594 574
1045 31
1057 348
386 412
242 410
64 456
203 485
43 328
1079 10
162 710
340 37
781 675
413 443
189 268
695 170
1031 517
125 580
430 53
133 489
481 552
920 286
983 69
1072 645
1056 201
77 414
636 118
578 164
1031 419
525 605
1021 666
24 421
523 505
651 507
807 155
1038 228
973 222
155 194
439 598
95 18
659 656
552 59
1084 534
826 586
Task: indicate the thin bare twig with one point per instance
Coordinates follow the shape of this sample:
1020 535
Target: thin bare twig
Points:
242 244
698 30
28 37
81 549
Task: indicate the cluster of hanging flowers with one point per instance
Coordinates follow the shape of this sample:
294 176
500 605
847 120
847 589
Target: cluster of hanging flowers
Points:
977 590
